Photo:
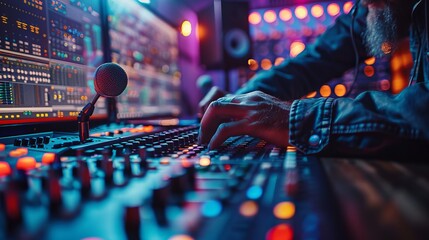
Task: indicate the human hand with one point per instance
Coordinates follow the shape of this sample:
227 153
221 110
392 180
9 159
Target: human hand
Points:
214 94
256 114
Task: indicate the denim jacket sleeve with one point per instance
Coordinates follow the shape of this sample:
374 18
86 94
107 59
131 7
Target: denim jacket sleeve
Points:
372 124
328 57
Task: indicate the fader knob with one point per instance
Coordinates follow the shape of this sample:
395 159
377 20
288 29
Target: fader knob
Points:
132 222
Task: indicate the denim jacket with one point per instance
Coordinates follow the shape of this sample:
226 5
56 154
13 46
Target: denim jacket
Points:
372 124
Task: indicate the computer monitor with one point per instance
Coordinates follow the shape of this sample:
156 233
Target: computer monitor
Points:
49 50
146 46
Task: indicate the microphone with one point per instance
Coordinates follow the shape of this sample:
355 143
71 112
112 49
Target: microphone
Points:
110 81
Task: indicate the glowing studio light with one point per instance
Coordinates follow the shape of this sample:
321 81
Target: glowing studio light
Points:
255 18
317 11
186 28
301 12
266 64
311 95
370 61
270 16
325 91
280 232
333 9
296 48
211 208
369 71
347 7
253 64
279 61
284 210
285 14
249 208
340 90
144 1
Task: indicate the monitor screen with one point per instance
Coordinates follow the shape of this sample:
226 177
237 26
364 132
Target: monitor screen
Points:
49 50
146 46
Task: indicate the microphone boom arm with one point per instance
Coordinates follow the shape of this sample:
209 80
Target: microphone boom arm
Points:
83 119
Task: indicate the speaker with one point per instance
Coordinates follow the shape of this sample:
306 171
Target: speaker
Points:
224 34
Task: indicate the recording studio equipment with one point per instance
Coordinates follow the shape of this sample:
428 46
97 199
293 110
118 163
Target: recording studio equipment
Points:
110 81
225 41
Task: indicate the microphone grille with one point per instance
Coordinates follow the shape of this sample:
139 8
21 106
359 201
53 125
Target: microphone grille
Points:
110 80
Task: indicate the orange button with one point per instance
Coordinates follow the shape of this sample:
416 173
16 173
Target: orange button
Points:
19 152
26 163
5 169
48 158
2 147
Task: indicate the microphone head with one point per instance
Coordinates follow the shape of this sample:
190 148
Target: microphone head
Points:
110 80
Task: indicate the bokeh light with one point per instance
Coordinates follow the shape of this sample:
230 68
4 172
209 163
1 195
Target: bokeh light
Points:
255 18
249 208
369 71
280 232
301 12
340 90
296 48
370 61
333 9
186 28
284 210
317 11
347 7
266 64
253 64
270 16
325 91
285 14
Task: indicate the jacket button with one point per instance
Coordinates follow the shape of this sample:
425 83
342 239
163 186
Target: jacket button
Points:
314 140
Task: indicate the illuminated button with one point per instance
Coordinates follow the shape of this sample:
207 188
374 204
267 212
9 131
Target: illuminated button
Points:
205 161
5 169
314 140
48 158
284 210
280 232
2 147
26 163
211 208
19 152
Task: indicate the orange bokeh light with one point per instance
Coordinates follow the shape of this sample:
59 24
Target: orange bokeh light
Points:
5 169
347 7
333 9
249 208
370 61
285 14
296 48
270 16
284 210
301 12
26 163
255 18
266 64
340 90
317 11
325 91
253 64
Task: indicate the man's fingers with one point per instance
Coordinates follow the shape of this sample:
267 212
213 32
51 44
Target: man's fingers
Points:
228 129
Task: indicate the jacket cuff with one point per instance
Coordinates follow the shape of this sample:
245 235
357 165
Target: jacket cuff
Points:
310 124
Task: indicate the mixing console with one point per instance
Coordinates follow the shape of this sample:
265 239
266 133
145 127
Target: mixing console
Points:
144 182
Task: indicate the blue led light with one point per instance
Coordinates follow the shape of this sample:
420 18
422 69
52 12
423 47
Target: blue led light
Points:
211 208
254 192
